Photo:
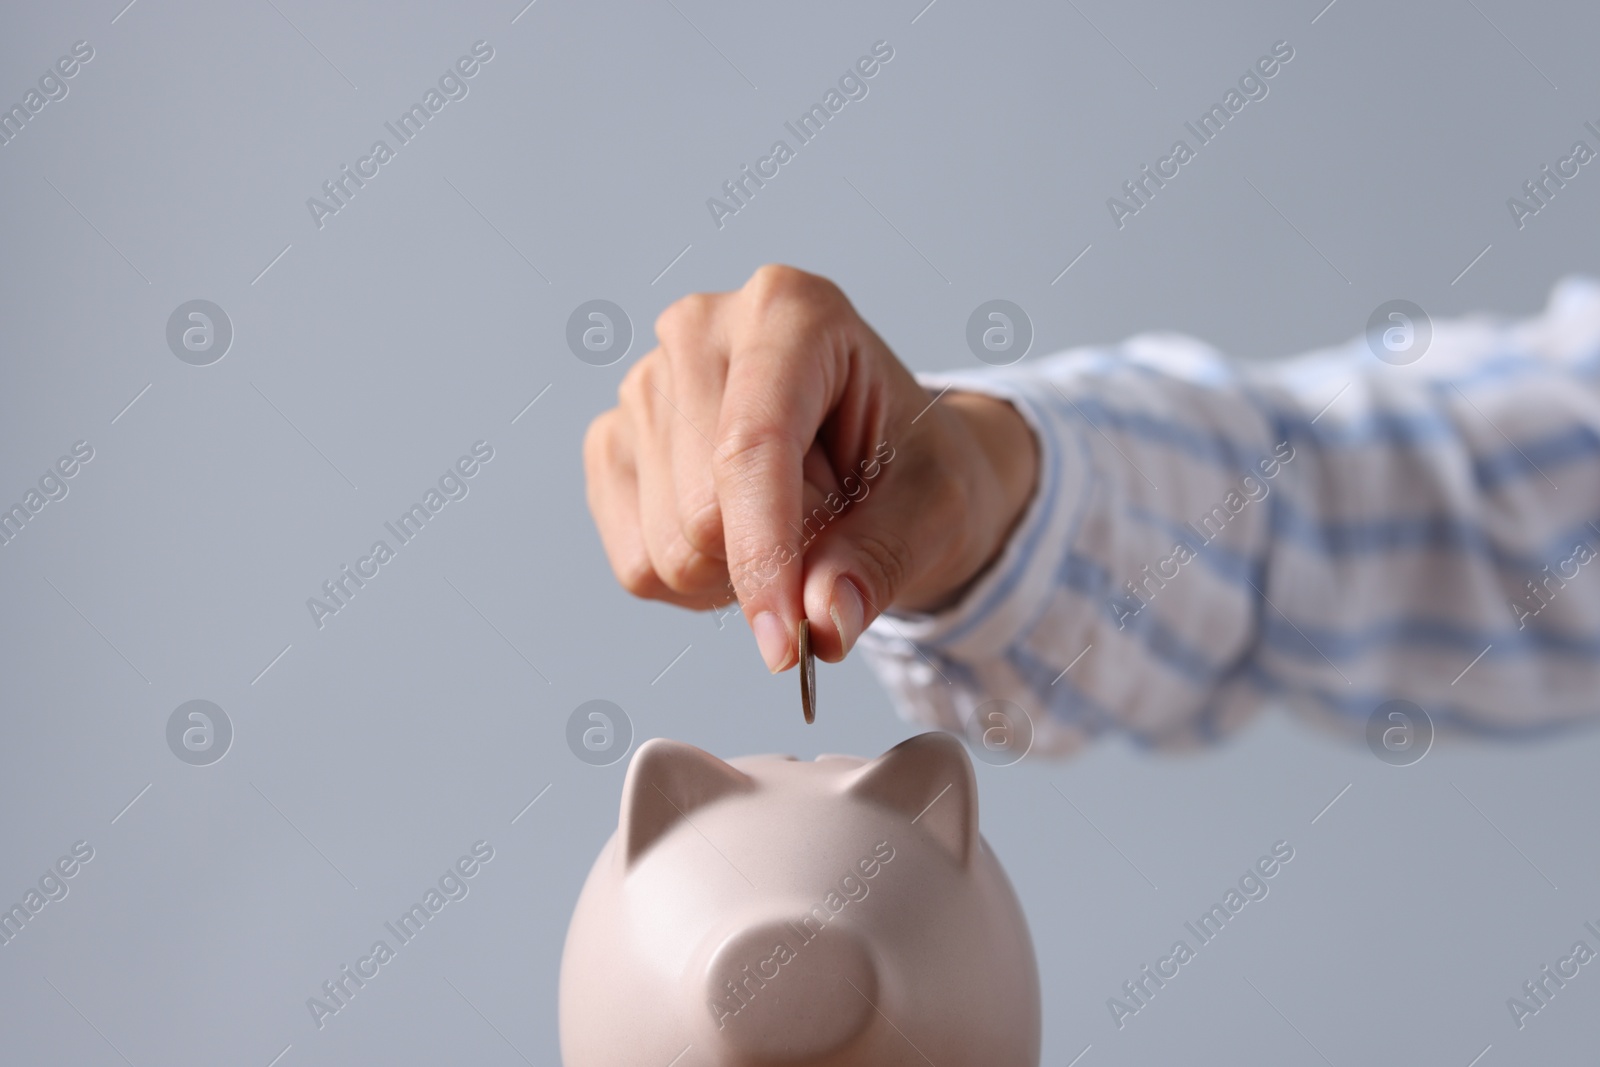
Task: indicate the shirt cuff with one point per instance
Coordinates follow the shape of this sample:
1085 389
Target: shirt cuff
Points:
1008 598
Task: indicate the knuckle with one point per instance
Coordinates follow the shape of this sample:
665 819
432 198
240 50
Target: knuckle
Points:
685 320
772 277
599 441
776 281
746 442
682 568
791 299
637 576
702 527
630 391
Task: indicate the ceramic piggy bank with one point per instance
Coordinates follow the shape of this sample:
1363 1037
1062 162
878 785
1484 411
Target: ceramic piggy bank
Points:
772 911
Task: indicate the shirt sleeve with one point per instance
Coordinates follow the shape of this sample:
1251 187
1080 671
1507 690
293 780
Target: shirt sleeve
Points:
1331 532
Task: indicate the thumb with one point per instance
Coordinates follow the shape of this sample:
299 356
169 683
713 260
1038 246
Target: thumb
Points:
868 553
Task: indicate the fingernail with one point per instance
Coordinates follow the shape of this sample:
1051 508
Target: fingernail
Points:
847 611
772 637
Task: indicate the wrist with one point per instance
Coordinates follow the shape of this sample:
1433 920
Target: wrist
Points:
995 457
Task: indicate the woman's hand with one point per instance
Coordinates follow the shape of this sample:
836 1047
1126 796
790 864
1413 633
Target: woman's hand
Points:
773 449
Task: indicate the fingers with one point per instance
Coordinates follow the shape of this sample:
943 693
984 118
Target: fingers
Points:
692 576
698 371
613 494
770 415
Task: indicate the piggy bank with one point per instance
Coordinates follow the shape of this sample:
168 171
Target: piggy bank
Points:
768 910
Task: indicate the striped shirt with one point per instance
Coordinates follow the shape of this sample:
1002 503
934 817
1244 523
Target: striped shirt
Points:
1328 532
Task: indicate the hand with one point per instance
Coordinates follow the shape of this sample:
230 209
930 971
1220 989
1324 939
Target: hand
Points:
773 449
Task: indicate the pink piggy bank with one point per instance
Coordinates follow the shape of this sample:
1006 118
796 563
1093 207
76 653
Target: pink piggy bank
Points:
772 911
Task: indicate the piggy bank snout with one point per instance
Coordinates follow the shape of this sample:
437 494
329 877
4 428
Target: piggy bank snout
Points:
790 990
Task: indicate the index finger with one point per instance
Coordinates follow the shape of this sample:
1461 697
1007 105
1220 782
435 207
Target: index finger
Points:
775 400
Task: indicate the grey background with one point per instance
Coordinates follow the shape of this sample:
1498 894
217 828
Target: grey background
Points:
425 717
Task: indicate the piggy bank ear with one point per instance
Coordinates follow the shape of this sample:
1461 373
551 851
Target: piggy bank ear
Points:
666 781
929 780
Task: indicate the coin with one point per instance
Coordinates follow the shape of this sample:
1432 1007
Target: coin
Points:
808 673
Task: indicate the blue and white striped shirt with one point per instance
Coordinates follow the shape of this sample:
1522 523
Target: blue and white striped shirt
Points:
1329 532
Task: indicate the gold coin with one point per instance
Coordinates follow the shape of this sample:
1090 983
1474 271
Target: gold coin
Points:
808 673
